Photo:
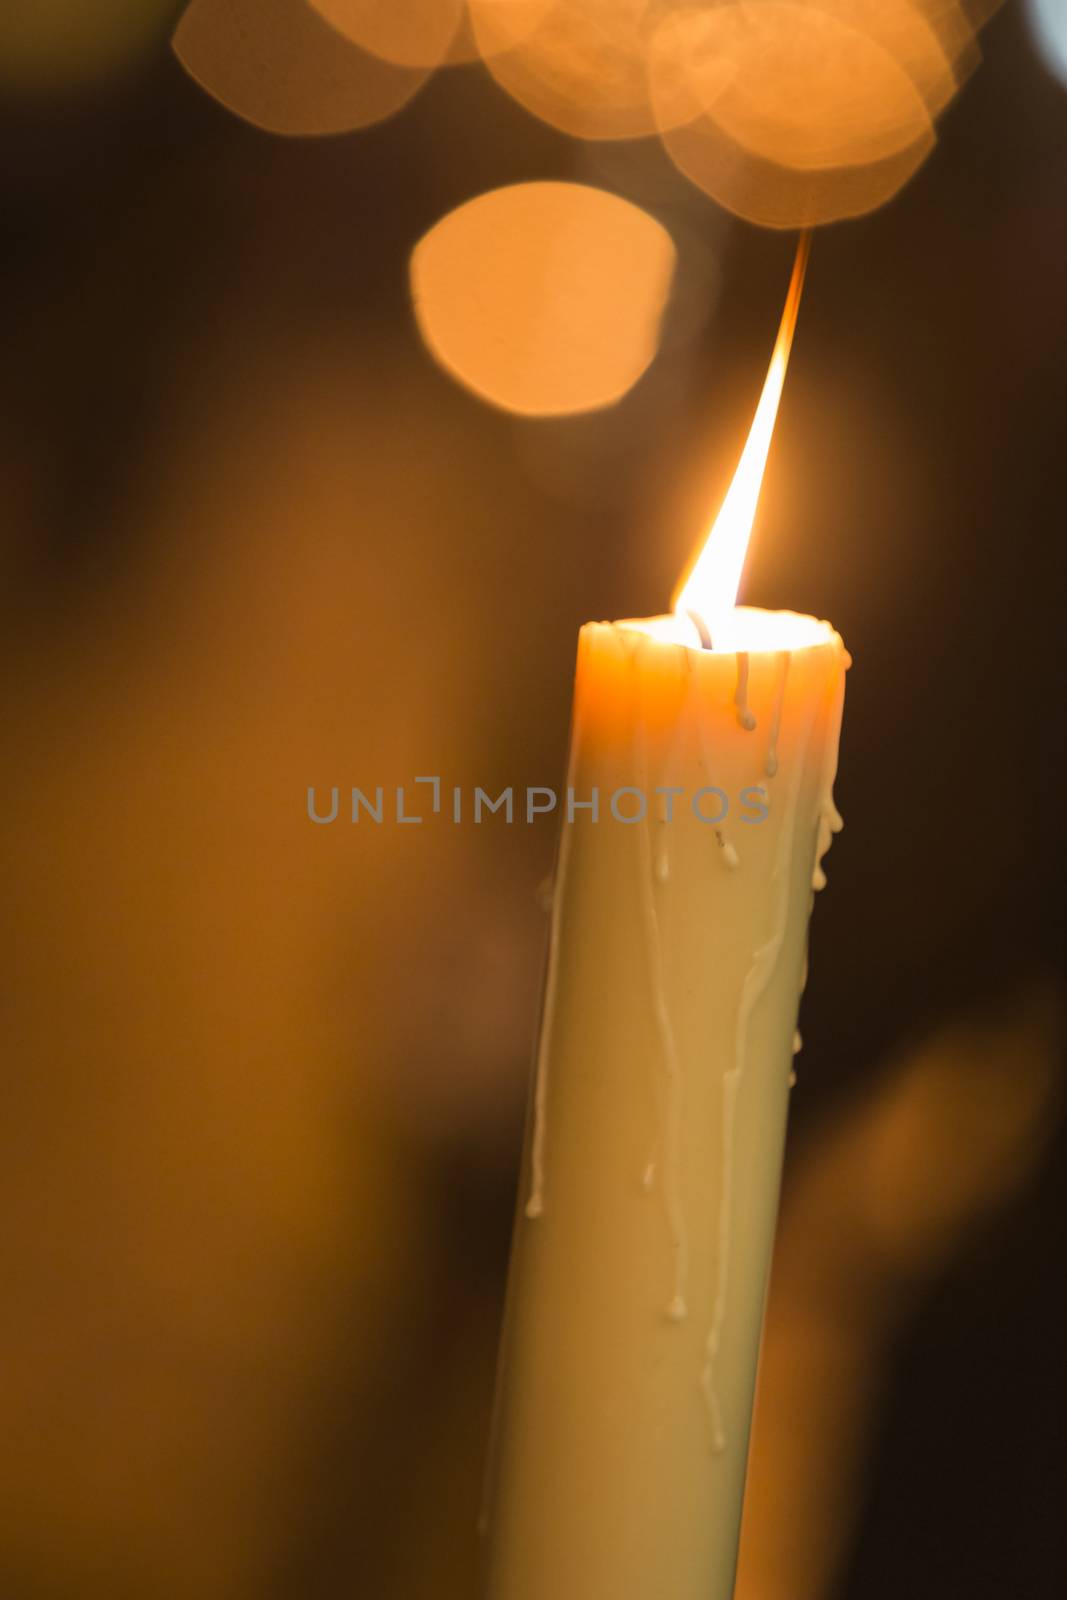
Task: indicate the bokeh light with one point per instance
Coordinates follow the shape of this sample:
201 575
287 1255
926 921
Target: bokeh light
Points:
411 33
789 113
583 66
544 298
434 33
279 65
932 40
1048 22
793 84
786 115
777 196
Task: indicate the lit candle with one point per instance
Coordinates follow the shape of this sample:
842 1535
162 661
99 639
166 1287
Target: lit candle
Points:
698 810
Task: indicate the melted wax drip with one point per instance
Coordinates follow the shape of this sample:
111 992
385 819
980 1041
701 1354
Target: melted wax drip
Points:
744 715
729 851
771 763
756 982
663 859
676 1309
830 819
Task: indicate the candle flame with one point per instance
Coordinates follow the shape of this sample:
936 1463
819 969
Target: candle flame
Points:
709 590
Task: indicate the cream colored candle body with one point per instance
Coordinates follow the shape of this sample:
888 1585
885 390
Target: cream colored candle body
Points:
654 1150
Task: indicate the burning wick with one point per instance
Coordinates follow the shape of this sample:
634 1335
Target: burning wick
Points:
702 628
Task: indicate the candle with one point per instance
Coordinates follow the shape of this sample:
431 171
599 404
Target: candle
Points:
698 809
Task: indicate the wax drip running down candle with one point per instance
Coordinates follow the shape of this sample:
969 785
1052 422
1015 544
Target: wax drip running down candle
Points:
770 765
657 1120
671 1135
756 980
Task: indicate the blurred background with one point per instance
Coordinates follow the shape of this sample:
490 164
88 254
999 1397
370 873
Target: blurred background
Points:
264 1082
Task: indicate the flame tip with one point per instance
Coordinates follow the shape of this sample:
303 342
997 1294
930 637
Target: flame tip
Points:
709 588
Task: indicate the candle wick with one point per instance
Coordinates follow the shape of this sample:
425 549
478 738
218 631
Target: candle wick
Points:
702 628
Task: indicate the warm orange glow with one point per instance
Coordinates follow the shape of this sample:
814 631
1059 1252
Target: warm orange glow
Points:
281 66
579 65
410 33
544 298
710 587
801 86
789 113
